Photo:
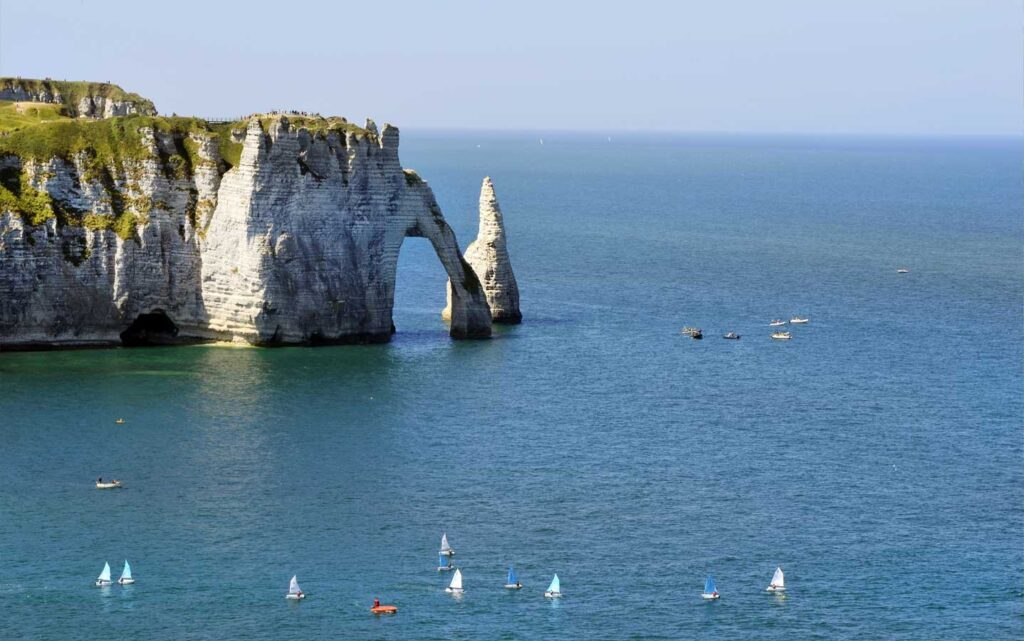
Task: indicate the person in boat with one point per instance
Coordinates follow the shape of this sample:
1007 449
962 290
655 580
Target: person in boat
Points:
99 480
376 603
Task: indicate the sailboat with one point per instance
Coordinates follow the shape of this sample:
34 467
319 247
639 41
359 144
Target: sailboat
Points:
126 574
778 583
709 589
455 587
512 582
294 591
104 577
446 549
444 563
554 590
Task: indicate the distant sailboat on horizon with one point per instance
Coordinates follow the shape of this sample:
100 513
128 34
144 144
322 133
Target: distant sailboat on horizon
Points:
126 574
455 587
710 592
554 590
512 581
295 593
446 549
778 583
103 579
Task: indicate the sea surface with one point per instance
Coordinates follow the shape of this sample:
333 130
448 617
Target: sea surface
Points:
876 457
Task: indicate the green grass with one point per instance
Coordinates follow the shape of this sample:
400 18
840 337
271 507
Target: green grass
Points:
14 116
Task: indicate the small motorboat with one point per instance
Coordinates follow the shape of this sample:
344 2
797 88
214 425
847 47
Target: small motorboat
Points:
295 593
732 336
444 563
554 590
777 323
119 421
445 548
126 575
902 270
455 587
103 579
781 336
778 583
689 331
709 593
377 608
512 581
796 320
107 485
697 335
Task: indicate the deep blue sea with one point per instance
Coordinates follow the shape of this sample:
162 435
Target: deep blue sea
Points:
877 456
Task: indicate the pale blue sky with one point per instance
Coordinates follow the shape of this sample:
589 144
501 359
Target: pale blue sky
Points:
769 66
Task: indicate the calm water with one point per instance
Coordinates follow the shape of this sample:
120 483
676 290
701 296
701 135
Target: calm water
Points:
877 457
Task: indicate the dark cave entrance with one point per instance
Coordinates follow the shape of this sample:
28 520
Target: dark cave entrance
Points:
154 328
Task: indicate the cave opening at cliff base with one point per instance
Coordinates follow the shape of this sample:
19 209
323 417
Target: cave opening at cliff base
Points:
154 328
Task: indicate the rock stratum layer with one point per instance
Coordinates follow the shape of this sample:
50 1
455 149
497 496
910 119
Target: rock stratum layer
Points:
275 230
488 256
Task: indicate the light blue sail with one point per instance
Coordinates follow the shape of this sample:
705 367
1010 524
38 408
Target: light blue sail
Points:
512 578
555 587
126 573
443 561
709 585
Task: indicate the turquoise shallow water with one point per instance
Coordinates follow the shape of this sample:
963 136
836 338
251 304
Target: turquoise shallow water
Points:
877 456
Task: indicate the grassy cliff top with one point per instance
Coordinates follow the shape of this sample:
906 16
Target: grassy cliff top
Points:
18 115
72 92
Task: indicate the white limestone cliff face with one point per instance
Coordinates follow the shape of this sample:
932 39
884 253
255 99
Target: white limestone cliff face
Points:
297 244
87 100
488 256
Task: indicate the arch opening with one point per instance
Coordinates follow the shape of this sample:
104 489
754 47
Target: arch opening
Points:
154 328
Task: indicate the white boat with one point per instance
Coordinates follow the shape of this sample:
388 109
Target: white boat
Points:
709 593
512 581
777 323
294 591
902 270
781 336
445 548
455 587
126 574
444 563
796 320
104 578
107 485
778 583
554 590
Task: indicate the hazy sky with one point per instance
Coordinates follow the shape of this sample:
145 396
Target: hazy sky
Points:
848 66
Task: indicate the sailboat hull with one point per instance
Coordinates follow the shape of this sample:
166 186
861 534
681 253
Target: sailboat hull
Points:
772 588
709 597
447 552
553 595
445 568
295 597
454 590
103 584
513 586
126 581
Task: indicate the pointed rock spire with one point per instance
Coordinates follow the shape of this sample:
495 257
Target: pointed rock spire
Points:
488 256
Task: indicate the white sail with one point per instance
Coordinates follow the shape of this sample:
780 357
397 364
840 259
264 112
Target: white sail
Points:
456 584
293 587
778 580
126 573
105 574
445 548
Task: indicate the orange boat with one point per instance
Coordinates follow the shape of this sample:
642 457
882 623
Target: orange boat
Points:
383 609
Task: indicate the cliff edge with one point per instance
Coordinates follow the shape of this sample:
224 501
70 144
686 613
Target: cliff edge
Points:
273 230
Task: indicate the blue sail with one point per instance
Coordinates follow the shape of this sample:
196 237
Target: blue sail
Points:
512 580
443 561
709 585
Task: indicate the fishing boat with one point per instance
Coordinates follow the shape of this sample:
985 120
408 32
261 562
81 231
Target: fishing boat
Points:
103 579
781 336
295 593
107 485
732 336
444 563
455 587
778 583
777 323
554 590
689 331
126 574
796 320
377 608
445 548
709 593
512 581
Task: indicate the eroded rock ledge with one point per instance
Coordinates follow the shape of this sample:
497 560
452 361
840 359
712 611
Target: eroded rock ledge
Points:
271 231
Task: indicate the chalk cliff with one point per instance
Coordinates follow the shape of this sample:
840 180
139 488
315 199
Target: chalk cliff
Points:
488 256
85 99
275 230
